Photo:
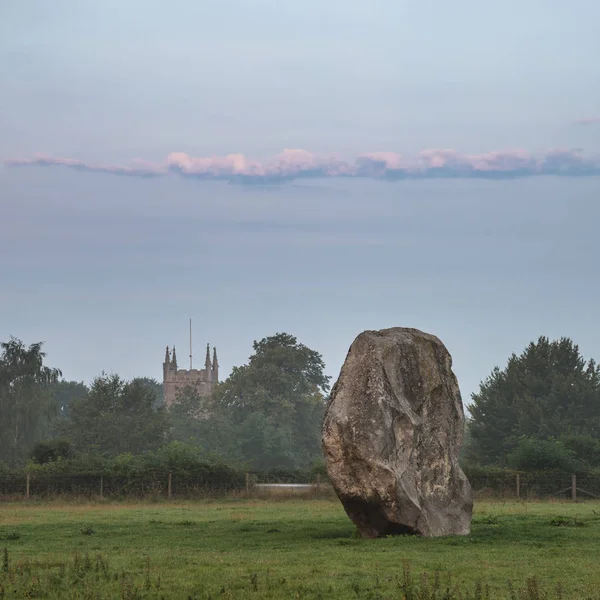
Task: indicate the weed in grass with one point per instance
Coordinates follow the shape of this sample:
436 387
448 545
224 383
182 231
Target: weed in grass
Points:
486 520
512 593
147 582
532 589
86 564
562 521
88 530
102 567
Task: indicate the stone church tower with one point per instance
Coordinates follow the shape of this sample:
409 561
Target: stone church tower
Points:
202 380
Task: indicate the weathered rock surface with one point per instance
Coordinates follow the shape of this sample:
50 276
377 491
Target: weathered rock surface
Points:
391 436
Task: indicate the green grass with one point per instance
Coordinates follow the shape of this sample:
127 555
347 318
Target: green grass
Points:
288 549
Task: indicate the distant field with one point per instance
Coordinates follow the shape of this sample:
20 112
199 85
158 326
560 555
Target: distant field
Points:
287 549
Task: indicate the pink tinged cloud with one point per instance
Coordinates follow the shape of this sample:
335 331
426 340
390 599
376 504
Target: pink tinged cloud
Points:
587 121
299 164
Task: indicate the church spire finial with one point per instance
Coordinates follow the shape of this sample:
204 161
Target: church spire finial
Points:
174 358
214 375
167 356
207 361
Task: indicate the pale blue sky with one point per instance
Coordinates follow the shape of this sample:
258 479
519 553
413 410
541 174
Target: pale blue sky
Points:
108 269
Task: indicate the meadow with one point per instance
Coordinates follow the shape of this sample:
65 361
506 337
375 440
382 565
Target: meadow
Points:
290 549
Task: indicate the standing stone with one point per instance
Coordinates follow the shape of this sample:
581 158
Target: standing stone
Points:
391 436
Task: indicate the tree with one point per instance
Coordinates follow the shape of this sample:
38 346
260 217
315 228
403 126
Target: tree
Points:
116 417
155 387
280 371
277 402
194 421
51 450
539 455
546 393
26 404
67 392
268 412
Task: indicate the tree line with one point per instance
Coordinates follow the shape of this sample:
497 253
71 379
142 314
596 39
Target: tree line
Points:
541 411
266 414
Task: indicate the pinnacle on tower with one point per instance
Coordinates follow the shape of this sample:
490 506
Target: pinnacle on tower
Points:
167 356
174 358
207 361
215 362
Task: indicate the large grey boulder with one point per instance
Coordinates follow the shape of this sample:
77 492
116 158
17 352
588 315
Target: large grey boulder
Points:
391 436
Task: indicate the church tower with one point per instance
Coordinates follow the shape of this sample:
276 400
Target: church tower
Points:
175 379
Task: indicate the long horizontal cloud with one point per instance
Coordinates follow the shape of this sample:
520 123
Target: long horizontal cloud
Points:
300 164
587 121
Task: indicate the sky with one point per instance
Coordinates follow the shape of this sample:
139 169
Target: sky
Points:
318 168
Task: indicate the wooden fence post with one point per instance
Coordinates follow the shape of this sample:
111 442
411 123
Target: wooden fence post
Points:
574 487
170 487
247 485
101 487
27 486
518 485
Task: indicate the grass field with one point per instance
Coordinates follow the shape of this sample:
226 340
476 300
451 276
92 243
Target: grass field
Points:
289 549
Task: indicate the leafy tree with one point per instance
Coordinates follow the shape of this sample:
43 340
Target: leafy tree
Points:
585 447
51 450
116 417
547 392
155 387
26 404
540 455
67 392
280 371
194 421
277 402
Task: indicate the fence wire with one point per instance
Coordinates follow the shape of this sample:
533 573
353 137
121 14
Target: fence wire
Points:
161 485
